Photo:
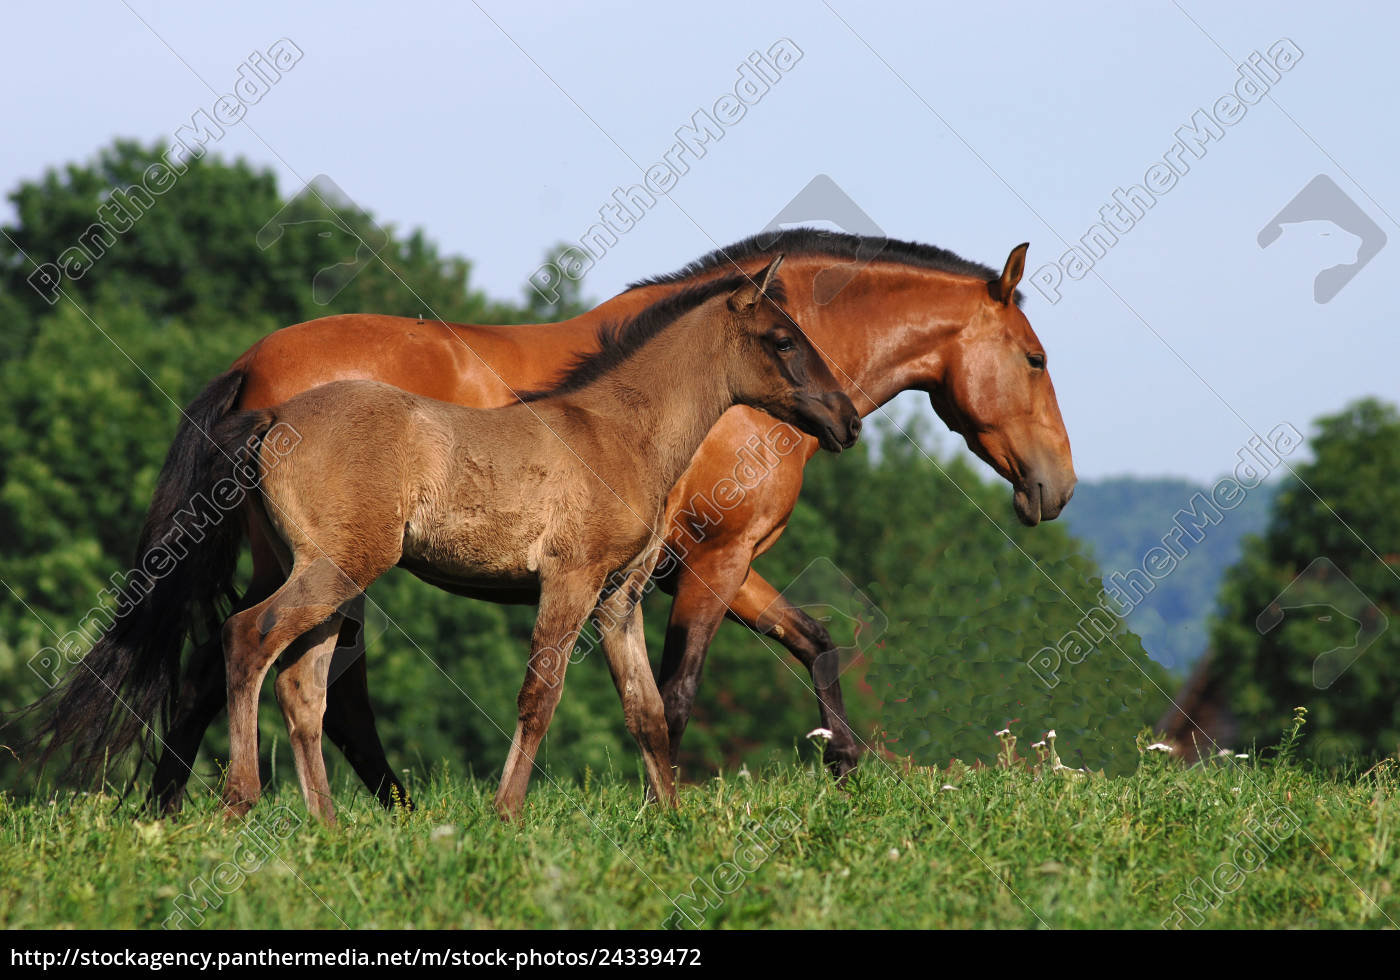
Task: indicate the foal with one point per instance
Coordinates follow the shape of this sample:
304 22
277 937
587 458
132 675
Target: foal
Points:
559 496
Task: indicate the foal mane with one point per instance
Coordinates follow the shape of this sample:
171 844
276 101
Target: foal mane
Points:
835 244
617 342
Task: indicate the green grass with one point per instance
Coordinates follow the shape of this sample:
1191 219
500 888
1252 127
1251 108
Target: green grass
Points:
1006 848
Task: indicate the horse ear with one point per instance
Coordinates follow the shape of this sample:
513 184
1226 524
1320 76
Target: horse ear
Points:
747 296
1003 288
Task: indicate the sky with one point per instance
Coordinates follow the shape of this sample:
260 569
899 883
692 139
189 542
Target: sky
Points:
500 128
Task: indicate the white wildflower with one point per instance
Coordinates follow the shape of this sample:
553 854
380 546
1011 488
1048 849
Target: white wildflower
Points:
1159 747
822 733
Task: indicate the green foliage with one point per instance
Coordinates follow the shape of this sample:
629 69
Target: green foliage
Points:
194 254
1123 518
1343 507
971 595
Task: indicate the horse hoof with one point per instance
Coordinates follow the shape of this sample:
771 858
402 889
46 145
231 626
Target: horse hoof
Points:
842 764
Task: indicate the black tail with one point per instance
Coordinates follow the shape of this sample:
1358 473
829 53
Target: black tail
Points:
122 693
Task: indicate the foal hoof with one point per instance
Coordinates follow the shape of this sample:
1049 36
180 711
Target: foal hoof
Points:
237 808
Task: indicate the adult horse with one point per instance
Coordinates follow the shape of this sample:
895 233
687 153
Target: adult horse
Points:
913 317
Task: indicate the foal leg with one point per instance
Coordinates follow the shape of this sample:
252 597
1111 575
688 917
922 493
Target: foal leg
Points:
253 640
619 620
349 718
764 609
565 602
301 692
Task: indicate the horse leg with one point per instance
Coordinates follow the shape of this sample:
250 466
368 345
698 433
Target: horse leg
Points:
767 611
301 693
253 640
565 603
619 621
705 585
203 695
349 718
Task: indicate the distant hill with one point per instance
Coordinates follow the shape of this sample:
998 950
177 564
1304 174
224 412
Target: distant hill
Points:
1122 518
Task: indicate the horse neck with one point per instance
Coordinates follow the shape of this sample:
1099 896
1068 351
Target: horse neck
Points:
887 330
666 397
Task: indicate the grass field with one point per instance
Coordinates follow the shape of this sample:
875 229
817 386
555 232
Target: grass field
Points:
1228 845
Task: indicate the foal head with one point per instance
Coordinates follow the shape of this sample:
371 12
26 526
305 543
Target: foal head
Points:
776 368
996 394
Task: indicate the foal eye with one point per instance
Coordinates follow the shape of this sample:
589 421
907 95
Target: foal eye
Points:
1036 361
785 344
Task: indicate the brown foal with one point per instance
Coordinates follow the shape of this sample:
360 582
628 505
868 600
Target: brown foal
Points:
561 494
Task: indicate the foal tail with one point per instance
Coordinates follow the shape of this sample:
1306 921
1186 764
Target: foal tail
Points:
123 691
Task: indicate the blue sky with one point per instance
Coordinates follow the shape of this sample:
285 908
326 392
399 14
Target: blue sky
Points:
501 128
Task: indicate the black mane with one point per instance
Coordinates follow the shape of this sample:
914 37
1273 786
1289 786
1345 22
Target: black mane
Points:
840 245
618 342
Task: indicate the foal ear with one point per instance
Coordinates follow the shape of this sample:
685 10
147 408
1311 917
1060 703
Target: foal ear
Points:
746 297
1003 288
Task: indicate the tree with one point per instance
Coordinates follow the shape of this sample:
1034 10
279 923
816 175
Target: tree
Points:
1308 614
1123 518
217 243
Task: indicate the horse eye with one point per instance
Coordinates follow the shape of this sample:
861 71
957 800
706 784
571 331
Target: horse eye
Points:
1036 361
785 344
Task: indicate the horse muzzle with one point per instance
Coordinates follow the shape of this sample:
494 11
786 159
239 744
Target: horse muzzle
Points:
830 418
842 427
1036 500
